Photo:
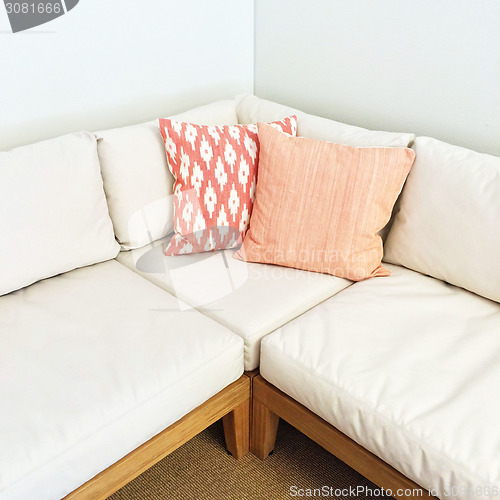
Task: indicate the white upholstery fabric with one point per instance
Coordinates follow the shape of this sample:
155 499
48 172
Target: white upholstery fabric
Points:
408 367
54 216
448 225
93 363
250 299
137 181
252 109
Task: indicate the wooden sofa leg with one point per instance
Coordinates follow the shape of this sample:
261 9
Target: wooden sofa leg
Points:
237 430
264 429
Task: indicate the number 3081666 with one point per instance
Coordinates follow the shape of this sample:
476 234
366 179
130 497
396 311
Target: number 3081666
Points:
33 8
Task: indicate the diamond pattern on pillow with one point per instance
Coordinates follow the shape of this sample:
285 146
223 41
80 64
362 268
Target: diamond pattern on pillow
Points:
215 172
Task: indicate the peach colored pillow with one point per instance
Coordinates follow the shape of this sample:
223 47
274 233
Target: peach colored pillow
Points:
319 205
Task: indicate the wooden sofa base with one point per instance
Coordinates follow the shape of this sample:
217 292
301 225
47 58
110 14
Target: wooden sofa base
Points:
232 404
269 404
250 408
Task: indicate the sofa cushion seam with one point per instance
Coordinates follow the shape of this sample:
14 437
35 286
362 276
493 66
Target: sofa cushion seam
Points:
374 412
110 423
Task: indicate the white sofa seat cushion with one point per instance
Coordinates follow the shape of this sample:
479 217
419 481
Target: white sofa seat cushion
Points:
93 363
54 216
407 366
137 180
250 299
252 109
448 225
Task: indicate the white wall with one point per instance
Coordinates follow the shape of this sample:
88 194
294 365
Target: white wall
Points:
427 66
116 62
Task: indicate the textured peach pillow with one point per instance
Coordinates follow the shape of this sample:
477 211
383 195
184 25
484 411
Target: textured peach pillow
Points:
319 205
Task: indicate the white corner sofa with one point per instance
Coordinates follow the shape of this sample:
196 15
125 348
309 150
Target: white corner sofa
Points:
112 354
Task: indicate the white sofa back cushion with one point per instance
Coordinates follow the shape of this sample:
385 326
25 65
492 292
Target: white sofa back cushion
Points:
252 109
137 181
54 215
448 225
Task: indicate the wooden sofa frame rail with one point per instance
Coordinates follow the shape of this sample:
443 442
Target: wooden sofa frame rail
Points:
250 409
232 404
269 404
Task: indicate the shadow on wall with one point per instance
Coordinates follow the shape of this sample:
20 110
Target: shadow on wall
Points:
138 110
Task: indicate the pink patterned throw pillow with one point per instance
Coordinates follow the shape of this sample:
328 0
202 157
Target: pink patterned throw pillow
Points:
215 172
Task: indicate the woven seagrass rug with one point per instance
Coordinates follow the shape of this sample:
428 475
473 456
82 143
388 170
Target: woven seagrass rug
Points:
202 470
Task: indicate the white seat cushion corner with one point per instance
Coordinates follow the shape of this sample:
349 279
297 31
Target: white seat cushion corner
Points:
407 366
251 300
93 363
